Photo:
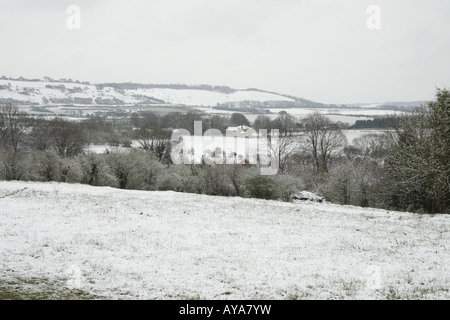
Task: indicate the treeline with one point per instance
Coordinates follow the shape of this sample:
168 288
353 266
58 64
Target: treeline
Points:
39 150
46 79
403 169
377 123
135 86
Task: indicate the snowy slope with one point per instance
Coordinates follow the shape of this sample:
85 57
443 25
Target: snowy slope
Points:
164 245
56 93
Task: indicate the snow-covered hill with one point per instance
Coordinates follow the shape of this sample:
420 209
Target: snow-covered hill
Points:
61 240
45 92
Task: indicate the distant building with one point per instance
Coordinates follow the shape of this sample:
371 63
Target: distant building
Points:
241 131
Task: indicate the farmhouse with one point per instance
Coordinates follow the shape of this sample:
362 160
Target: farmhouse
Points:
241 131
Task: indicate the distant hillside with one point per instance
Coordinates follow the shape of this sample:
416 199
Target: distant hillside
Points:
47 92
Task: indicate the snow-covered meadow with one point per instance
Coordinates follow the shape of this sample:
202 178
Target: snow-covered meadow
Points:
120 244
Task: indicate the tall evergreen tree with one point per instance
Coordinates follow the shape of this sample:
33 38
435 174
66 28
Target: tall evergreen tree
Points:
418 160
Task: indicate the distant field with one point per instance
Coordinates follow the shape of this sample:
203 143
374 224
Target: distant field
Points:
353 134
344 115
61 241
68 110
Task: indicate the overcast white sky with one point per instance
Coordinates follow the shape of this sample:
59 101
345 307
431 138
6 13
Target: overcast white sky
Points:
321 50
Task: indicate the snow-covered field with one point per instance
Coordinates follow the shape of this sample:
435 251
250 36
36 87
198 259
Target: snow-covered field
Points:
120 244
353 134
362 112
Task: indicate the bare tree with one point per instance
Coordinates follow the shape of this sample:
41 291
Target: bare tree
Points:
262 122
41 135
156 140
285 122
280 148
372 145
323 137
67 137
12 127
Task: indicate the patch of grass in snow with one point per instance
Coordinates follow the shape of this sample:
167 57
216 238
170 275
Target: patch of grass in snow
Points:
393 294
184 297
345 288
422 293
332 288
295 292
298 296
416 293
40 289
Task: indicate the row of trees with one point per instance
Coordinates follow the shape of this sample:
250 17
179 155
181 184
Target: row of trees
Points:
405 168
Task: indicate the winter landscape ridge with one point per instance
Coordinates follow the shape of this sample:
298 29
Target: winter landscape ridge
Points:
51 92
75 241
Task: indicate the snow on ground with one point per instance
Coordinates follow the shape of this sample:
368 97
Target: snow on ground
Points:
303 112
206 98
105 148
353 134
121 244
